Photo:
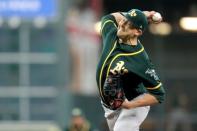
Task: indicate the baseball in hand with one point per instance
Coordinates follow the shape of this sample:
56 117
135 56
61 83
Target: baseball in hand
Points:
156 17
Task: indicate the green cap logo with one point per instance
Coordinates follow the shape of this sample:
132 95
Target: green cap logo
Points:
138 19
132 13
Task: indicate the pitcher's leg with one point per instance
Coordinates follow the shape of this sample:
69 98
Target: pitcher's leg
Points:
131 119
111 117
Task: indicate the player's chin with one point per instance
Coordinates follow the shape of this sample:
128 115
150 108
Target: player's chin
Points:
120 34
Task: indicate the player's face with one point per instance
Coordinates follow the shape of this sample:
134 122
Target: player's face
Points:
126 29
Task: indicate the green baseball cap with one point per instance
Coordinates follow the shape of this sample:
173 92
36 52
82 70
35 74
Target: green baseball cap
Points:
138 18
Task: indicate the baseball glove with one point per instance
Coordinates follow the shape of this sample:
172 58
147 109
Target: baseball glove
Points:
113 91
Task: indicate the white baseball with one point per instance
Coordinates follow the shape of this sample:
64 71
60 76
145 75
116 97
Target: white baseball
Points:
156 17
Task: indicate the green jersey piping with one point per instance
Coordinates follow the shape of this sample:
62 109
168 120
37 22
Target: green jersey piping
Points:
154 88
101 72
106 23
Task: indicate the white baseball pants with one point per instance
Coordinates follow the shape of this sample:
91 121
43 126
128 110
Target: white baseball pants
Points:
126 119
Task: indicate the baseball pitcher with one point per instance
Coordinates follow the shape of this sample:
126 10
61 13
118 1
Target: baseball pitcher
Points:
127 81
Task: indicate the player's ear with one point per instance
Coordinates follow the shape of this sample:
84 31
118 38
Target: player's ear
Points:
138 32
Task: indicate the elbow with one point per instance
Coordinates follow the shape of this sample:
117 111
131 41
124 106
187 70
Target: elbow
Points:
105 17
161 97
159 94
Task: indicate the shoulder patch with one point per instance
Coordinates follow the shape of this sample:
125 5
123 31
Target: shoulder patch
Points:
152 73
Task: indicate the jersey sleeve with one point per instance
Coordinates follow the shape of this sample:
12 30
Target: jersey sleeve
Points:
108 25
152 83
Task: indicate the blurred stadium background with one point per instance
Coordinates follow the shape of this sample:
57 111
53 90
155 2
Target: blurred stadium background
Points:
48 55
